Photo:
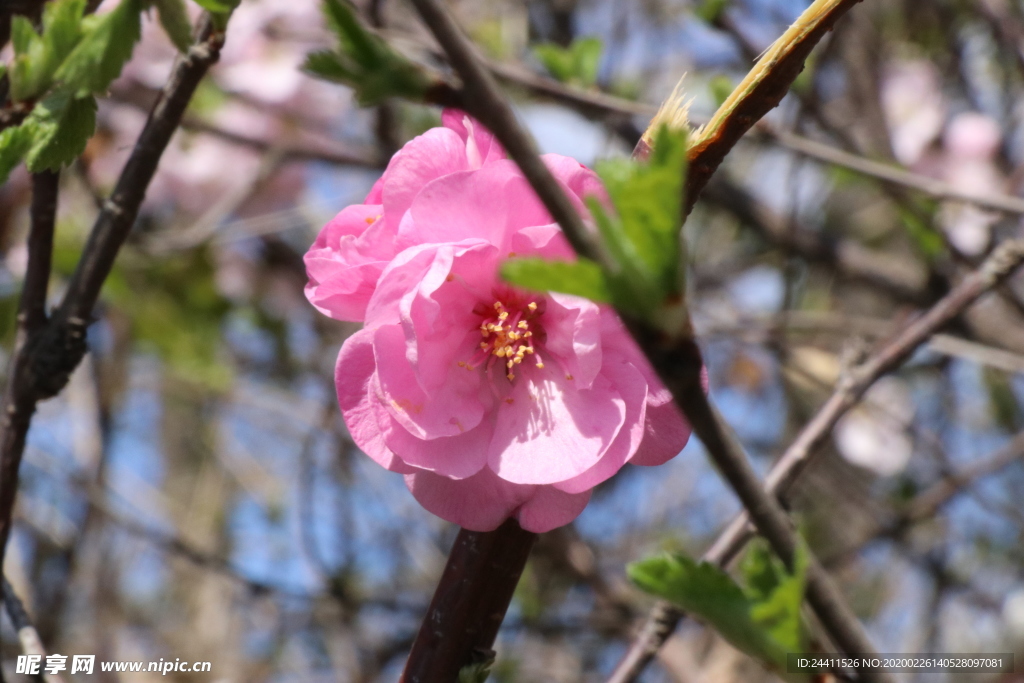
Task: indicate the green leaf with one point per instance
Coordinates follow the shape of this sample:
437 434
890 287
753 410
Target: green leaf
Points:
364 62
103 51
758 622
217 6
220 10
14 145
709 10
777 594
174 19
648 201
576 64
37 57
476 673
580 278
62 28
22 34
926 238
61 126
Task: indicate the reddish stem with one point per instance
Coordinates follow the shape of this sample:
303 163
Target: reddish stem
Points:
469 603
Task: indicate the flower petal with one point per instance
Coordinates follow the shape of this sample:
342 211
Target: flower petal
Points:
346 261
548 430
453 408
353 377
573 326
632 386
454 457
481 145
435 154
550 508
480 503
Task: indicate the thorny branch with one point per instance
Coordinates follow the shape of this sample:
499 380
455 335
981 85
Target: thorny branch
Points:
42 363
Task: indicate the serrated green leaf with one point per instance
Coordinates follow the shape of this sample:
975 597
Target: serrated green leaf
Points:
365 62
708 593
762 628
106 46
62 27
648 204
61 125
777 595
642 234
174 19
14 145
580 278
38 56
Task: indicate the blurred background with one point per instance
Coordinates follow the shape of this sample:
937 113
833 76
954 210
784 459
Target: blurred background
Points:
194 494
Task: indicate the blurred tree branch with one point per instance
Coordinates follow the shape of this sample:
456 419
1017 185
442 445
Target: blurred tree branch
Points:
31 644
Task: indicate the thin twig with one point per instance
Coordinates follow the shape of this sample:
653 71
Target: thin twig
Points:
888 173
31 643
760 92
41 366
663 618
484 101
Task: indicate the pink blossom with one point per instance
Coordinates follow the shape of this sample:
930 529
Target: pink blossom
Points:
492 401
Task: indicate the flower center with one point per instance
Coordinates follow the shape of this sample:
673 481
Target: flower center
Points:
507 335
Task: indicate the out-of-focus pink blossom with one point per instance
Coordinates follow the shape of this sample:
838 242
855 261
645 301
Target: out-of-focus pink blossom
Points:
914 109
492 401
970 148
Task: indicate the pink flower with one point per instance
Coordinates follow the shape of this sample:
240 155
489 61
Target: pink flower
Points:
492 401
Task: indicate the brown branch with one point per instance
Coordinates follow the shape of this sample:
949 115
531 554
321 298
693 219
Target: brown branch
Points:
41 366
760 92
676 358
663 618
890 174
484 101
678 363
28 636
32 305
19 401
120 210
469 603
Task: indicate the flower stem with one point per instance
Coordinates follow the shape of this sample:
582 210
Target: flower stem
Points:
469 603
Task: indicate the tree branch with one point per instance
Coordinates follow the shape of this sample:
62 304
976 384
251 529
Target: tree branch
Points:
676 358
484 101
31 644
42 364
469 603
758 93
663 618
